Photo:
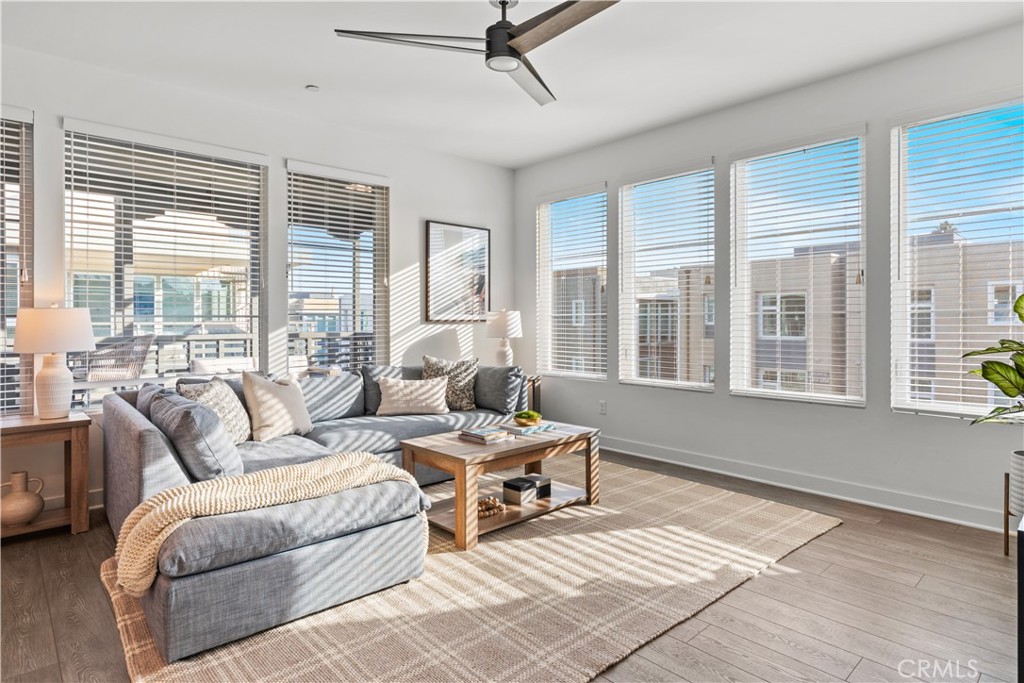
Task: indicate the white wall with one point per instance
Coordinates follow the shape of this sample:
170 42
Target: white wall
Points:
933 466
424 185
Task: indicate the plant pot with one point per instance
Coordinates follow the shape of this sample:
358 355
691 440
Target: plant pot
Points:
20 506
1017 482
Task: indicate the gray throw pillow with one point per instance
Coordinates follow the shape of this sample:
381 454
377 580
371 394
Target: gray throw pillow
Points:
461 376
221 398
371 381
203 443
331 398
498 387
146 393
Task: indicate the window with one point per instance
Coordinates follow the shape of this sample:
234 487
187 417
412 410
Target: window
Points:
1000 302
922 315
782 316
337 271
784 380
957 254
16 372
572 330
165 243
579 312
709 374
709 317
797 309
667 262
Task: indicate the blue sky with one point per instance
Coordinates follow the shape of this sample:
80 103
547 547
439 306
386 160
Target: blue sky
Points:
944 180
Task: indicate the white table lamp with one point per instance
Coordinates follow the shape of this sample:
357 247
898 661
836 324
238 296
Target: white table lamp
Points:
53 331
504 325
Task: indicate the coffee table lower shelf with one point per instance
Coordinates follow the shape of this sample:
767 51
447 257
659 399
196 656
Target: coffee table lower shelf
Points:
442 514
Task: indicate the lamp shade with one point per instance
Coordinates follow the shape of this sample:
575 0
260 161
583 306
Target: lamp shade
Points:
53 330
504 324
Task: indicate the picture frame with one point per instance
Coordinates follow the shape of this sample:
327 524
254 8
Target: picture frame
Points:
458 273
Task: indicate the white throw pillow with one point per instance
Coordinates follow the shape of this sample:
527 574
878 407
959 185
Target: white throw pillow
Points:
413 396
275 407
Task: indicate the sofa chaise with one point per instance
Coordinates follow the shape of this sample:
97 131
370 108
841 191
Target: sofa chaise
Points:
224 577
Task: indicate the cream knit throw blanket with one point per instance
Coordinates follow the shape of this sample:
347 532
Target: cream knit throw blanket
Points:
148 525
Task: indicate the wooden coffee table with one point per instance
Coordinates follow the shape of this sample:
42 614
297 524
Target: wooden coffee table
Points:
467 461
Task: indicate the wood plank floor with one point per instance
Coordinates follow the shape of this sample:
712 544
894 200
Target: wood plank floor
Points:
885 593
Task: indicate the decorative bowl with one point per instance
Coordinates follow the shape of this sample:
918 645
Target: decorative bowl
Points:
527 422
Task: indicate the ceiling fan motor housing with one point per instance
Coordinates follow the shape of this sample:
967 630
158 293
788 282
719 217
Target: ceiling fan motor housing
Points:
499 54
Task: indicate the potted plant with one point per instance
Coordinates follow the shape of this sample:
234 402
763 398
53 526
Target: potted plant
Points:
1009 379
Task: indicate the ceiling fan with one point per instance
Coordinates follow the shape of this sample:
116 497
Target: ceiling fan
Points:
506 44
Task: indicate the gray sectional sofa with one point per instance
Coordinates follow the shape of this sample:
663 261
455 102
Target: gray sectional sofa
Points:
225 577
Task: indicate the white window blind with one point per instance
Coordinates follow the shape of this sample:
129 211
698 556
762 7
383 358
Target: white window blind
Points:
957 255
337 271
164 247
572 273
797 328
15 260
667 267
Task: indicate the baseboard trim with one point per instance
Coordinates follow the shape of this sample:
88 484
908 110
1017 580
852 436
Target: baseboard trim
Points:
989 519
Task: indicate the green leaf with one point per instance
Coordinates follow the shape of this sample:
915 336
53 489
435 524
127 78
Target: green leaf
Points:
999 414
1006 346
1004 376
1018 362
1018 307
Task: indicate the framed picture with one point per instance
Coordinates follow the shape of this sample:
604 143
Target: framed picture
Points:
458 273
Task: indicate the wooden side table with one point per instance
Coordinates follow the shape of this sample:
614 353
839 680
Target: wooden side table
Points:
73 430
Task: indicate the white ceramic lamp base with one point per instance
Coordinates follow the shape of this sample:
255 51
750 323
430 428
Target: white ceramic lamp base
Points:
504 355
53 387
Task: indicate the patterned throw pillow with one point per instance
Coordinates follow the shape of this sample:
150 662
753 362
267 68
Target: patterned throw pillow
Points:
412 396
221 398
461 376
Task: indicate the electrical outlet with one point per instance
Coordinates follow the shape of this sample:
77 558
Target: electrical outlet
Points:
602 407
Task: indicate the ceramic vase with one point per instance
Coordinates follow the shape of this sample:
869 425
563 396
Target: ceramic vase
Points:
21 506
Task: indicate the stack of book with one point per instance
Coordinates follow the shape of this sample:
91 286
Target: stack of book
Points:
520 430
486 435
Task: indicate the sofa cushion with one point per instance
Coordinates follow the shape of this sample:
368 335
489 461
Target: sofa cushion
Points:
276 407
208 543
380 434
284 450
498 388
200 438
221 398
328 398
461 376
413 396
371 381
145 397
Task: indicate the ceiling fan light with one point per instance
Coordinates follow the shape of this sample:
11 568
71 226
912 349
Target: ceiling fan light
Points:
503 63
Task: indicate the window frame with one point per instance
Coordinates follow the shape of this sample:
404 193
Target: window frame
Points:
317 198
1016 289
742 291
902 285
698 327
545 289
780 315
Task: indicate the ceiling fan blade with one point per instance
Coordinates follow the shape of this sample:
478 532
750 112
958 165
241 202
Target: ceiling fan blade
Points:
414 39
529 80
533 33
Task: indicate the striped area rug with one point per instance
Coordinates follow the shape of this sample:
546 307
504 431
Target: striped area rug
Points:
559 598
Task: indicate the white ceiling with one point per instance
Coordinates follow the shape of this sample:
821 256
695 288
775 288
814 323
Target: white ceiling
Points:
633 67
